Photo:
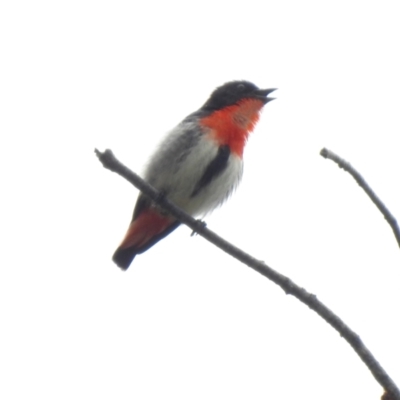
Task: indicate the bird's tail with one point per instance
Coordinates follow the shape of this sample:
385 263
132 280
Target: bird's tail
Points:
144 231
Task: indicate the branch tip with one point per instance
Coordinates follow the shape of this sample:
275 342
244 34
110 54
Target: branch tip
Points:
346 166
324 152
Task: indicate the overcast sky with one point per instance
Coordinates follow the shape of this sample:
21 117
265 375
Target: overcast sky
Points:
186 321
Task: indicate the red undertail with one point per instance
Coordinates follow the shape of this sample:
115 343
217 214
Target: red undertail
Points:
144 231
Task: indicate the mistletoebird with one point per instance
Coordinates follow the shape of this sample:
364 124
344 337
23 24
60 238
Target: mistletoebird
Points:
197 165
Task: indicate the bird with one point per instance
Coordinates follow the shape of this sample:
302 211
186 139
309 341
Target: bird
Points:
197 165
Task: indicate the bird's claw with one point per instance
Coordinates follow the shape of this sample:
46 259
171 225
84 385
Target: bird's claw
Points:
200 225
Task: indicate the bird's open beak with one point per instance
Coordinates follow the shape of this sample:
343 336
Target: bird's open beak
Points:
262 94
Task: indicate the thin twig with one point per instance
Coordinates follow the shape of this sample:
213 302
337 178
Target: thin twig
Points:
110 162
367 189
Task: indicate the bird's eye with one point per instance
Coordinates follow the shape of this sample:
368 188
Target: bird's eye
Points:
240 87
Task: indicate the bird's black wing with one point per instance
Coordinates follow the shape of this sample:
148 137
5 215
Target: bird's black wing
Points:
142 203
215 168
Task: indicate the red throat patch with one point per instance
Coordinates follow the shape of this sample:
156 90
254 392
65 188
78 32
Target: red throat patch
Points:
232 125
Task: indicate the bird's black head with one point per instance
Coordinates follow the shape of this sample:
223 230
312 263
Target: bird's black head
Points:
232 92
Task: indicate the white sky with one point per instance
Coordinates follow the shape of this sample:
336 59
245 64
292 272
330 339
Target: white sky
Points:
187 321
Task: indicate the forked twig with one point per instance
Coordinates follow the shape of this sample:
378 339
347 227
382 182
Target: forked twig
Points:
110 162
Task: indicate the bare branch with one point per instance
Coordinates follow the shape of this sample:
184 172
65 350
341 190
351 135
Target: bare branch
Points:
110 162
367 189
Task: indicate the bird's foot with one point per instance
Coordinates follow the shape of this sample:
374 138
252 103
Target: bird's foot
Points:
200 225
